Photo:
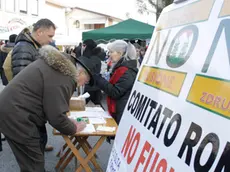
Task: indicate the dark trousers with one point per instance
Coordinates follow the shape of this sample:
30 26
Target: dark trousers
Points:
30 158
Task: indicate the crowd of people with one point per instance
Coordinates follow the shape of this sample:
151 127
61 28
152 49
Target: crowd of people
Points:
40 81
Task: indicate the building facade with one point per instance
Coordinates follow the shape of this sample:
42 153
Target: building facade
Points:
17 14
70 21
81 20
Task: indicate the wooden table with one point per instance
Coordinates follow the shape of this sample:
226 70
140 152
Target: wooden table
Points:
74 143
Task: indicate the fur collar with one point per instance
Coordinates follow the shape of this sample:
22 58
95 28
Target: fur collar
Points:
58 61
25 35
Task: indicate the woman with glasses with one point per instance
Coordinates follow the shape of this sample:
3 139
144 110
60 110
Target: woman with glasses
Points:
124 71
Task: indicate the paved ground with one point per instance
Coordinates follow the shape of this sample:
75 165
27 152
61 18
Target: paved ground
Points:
9 164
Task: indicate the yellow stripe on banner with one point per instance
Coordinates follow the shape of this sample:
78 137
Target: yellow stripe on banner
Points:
211 94
192 13
162 79
225 11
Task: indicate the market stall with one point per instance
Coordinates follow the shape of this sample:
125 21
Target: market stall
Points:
129 29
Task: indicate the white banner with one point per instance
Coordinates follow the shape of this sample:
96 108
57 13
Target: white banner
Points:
177 116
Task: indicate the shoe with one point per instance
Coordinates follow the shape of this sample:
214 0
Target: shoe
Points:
48 148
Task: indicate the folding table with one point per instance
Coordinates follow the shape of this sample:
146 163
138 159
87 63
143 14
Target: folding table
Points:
79 141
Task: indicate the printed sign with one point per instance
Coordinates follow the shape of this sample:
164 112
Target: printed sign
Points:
12 25
165 80
177 115
215 97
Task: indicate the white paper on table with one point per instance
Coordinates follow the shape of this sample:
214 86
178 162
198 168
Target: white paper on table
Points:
88 129
104 128
79 114
89 114
94 109
97 121
84 96
103 113
81 97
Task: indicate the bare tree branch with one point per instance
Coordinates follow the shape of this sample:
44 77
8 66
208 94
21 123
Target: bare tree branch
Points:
158 4
153 3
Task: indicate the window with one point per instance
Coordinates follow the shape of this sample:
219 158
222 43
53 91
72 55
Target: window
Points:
88 26
23 6
34 7
99 26
10 5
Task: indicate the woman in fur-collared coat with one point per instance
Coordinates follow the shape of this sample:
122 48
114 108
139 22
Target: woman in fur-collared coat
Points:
40 93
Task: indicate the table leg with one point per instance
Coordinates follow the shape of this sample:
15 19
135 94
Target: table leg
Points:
70 158
62 159
83 163
87 148
90 147
92 152
63 147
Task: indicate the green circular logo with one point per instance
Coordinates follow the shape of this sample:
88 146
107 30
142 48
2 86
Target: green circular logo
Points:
182 46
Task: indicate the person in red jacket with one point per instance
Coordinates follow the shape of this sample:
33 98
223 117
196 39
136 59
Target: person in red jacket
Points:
123 75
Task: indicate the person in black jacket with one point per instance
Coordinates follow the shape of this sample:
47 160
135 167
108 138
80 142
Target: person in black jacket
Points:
77 50
26 50
90 50
118 88
27 44
5 49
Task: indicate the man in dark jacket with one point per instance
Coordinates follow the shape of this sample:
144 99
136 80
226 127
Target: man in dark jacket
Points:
40 93
5 49
27 44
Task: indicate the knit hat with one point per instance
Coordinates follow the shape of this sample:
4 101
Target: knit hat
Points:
12 38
